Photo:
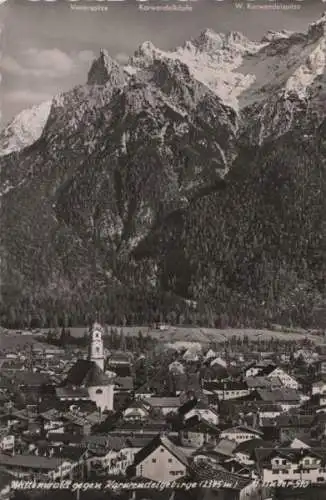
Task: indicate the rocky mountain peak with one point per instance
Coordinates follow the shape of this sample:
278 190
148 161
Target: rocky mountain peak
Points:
170 69
208 40
105 70
25 128
271 35
145 48
122 194
317 29
236 37
145 54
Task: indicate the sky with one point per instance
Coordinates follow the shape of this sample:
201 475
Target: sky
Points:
48 46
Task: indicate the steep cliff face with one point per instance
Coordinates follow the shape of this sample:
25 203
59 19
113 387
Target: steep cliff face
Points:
24 129
121 184
112 163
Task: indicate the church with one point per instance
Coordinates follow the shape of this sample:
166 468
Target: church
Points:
87 378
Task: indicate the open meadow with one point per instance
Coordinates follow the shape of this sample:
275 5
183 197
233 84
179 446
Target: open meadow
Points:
11 339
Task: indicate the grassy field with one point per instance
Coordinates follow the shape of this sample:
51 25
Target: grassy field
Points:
175 334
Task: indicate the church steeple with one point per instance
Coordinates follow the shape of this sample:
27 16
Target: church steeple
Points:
96 348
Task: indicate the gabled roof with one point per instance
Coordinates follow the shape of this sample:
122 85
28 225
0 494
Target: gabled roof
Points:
70 453
64 438
30 461
138 404
264 455
75 419
249 446
108 442
30 378
225 447
187 406
139 441
86 373
71 392
163 402
201 426
263 382
279 395
294 420
51 414
124 383
226 385
243 428
158 441
214 472
320 383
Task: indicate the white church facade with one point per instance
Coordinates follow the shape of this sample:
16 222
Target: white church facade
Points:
88 378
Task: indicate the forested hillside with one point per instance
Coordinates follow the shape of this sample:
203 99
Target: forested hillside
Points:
151 197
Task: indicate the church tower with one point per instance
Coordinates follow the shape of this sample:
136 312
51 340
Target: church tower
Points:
96 348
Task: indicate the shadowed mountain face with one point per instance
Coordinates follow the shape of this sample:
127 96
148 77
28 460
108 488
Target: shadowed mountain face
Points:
150 185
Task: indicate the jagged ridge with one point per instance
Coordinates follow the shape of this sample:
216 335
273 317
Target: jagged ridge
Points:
121 190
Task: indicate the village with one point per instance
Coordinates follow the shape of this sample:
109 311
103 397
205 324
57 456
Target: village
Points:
237 420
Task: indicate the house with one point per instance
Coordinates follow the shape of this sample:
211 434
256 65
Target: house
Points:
197 408
51 421
228 389
223 449
30 381
5 484
221 484
57 439
321 365
7 442
263 383
164 405
276 465
318 387
124 384
196 433
292 426
219 361
115 453
134 428
268 411
244 451
286 379
144 392
318 427
136 411
286 398
160 460
76 423
298 444
24 465
254 369
120 362
210 355
240 434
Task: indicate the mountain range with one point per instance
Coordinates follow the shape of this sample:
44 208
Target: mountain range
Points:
187 185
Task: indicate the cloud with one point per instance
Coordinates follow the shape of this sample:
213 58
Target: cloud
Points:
25 97
86 56
46 63
122 58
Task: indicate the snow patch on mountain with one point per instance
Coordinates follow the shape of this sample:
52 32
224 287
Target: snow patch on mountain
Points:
212 59
25 129
306 74
271 36
242 72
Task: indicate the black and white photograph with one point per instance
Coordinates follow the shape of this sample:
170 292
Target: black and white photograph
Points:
163 250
